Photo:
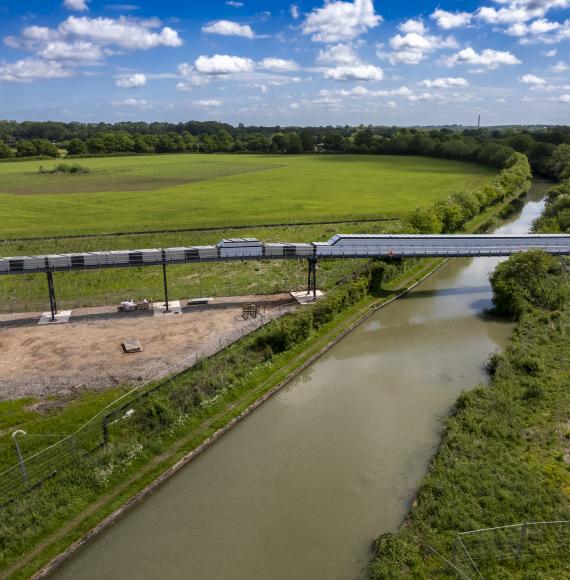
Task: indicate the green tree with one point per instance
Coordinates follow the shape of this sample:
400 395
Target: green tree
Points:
5 151
293 143
26 149
425 221
76 147
529 279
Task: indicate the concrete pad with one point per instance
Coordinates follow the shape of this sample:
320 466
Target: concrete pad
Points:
173 308
303 298
132 345
61 317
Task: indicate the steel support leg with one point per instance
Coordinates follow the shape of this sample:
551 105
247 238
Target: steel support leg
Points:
51 290
312 277
165 287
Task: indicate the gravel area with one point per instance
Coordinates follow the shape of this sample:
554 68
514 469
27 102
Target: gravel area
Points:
87 352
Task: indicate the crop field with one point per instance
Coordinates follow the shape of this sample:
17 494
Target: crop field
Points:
186 191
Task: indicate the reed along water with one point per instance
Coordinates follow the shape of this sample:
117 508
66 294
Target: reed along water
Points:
301 488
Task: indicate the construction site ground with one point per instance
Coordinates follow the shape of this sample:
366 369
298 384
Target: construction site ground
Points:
87 352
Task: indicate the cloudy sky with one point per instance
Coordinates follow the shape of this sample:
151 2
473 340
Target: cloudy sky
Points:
297 62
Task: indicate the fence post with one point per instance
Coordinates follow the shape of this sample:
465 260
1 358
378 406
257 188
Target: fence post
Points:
105 430
454 550
523 538
20 457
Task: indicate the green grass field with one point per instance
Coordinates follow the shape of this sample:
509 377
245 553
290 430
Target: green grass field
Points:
185 191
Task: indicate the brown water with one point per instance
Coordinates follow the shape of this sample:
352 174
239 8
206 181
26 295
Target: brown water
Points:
300 489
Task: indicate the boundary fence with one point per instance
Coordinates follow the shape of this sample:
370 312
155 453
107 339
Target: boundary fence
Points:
30 472
484 552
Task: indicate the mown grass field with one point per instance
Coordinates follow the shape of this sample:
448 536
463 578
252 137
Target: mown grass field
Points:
185 191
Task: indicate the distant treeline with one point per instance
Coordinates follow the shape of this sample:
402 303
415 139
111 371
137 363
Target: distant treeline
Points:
491 147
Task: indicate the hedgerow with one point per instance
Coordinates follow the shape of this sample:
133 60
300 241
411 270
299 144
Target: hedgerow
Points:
451 214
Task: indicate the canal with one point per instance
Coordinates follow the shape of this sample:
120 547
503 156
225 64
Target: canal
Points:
301 488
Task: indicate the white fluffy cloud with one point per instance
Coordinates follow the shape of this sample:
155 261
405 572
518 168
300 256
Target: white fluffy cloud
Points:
78 51
559 67
341 21
234 3
532 80
77 5
131 82
413 25
278 65
338 54
448 20
30 69
564 98
222 64
294 11
361 72
535 28
413 47
361 92
229 28
124 32
487 58
513 11
445 82
130 102
208 103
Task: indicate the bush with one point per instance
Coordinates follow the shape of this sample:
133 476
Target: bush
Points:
527 280
65 168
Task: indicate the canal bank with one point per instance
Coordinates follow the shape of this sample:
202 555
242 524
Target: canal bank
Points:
303 486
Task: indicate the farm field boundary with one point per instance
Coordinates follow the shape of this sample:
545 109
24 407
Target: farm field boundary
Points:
201 230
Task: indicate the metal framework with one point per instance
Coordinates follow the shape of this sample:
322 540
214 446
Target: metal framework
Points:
312 277
340 246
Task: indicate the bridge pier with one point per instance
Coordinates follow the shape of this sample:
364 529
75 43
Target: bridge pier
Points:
51 291
165 281
312 277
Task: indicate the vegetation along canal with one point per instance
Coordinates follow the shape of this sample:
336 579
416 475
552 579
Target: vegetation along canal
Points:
302 487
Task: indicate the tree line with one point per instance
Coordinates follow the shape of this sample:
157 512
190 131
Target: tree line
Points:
547 149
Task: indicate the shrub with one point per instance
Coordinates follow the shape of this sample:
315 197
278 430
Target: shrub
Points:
65 168
530 279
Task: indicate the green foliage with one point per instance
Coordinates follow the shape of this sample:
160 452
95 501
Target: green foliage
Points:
65 168
425 221
5 151
449 215
36 147
556 215
528 280
560 162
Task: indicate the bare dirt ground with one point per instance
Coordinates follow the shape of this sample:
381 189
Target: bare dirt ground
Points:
87 353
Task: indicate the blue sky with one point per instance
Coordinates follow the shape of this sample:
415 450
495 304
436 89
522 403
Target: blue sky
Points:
287 63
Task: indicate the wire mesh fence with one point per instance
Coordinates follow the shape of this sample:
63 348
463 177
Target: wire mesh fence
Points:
31 471
489 552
